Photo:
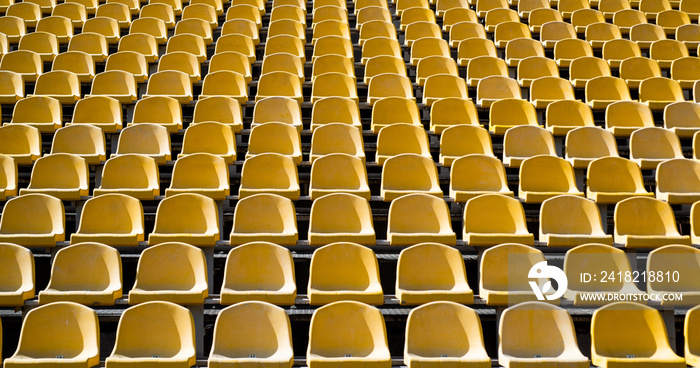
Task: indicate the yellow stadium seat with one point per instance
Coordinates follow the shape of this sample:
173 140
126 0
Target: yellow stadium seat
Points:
612 179
171 83
645 34
119 12
152 26
60 26
331 27
11 87
522 48
447 283
264 217
476 174
658 92
614 51
427 47
187 217
162 110
125 228
77 62
671 20
597 259
341 217
287 27
444 332
83 140
107 27
582 224
474 47
605 90
525 141
43 43
279 84
689 34
62 175
555 31
508 31
131 174
330 12
497 16
336 138
409 173
8 177
277 109
609 7
416 14
60 85
85 273
567 50
651 146
624 333
224 110
540 16
502 271
443 6
552 332
376 28
147 139
332 45
646 223
17 275
252 326
154 333
338 173
494 88
418 30
666 51
525 7
131 62
335 110
269 173
216 4
463 31
233 61
599 33
13 28
393 110
407 4
343 272
371 13
389 85
333 85
210 137
238 43
568 7
347 333
182 62
510 112
98 111
197 27
686 71
419 217
244 27
239 11
441 86
677 181
142 43
333 64
483 6
20 142
401 138
170 272
481 67
449 112
433 65
29 12
547 90
57 334
379 46
224 83
201 173
543 177
273 137
33 220
269 278
27 64
491 219
565 115
624 117
691 339
627 18
679 259
41 112
117 84
257 3
653 7
682 118
588 143
636 69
